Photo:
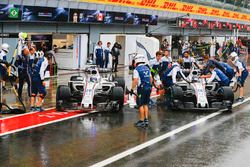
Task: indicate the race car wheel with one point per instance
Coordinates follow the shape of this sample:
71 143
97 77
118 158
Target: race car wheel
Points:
63 95
121 82
226 93
227 96
117 94
174 95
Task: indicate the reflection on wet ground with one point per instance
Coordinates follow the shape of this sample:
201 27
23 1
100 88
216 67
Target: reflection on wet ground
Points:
86 140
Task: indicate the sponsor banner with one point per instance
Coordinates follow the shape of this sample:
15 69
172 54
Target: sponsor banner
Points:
145 19
35 13
106 17
10 12
122 18
192 23
86 16
173 6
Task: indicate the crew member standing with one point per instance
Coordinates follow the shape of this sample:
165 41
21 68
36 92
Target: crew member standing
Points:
38 84
242 73
166 62
22 63
98 53
142 79
107 52
115 54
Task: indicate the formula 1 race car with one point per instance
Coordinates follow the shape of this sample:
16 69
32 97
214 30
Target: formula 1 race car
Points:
91 92
197 95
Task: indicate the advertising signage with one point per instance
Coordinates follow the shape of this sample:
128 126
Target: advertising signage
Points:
179 7
86 16
120 18
106 17
49 14
192 23
34 13
10 12
145 19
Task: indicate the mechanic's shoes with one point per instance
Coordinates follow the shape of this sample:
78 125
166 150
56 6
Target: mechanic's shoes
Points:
32 109
39 109
140 124
240 99
146 122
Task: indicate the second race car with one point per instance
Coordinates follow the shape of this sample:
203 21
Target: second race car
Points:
91 92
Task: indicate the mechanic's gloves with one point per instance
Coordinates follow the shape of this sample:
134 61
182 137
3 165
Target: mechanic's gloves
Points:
43 83
5 62
239 81
131 92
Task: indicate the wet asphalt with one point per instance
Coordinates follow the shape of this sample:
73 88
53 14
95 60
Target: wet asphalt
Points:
221 141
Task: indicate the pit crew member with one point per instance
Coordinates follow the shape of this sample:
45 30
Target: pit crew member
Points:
188 62
98 53
22 63
242 74
169 77
219 76
38 84
166 61
142 79
209 62
3 61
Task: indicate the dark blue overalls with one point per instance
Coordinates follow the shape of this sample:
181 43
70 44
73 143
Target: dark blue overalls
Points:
167 81
229 70
99 56
22 63
144 89
241 79
216 64
106 53
224 81
37 86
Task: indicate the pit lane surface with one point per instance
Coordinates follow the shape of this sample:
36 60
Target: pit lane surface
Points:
87 140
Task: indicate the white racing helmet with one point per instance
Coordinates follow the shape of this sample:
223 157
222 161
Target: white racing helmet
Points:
140 58
5 47
234 57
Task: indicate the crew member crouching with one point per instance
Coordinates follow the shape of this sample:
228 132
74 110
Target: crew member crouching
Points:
38 84
170 75
219 76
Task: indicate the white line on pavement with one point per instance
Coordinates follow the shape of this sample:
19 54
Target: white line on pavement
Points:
161 138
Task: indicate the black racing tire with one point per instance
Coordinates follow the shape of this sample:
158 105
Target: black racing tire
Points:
117 94
121 82
174 93
63 96
226 93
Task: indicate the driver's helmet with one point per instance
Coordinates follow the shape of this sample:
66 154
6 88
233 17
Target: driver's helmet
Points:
93 71
93 79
